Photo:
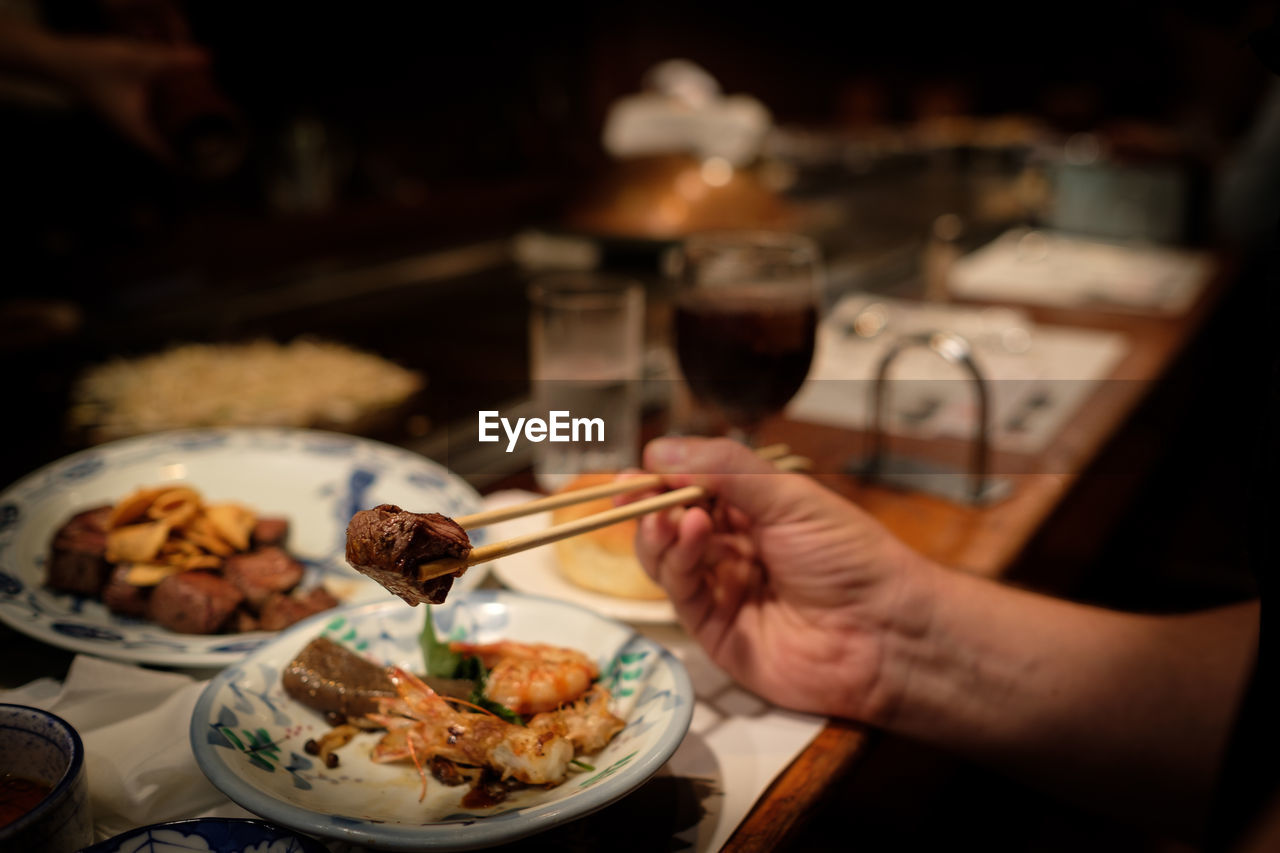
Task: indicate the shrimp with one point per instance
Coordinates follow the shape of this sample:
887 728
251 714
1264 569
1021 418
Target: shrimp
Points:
530 678
421 725
588 723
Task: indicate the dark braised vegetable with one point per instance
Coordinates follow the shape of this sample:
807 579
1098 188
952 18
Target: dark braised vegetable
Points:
332 679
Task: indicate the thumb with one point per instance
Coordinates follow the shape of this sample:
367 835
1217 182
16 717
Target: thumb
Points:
724 468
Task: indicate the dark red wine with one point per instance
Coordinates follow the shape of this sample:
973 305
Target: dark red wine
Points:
745 355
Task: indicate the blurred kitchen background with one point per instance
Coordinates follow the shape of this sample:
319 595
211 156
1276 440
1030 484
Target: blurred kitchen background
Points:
388 177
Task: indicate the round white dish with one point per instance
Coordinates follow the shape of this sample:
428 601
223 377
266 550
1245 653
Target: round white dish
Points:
248 735
316 479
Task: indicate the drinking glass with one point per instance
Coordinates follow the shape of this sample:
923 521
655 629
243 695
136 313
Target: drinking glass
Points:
586 353
746 314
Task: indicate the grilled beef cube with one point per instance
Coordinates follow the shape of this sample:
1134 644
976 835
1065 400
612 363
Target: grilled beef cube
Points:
242 620
269 531
77 561
281 611
124 598
193 602
261 574
387 544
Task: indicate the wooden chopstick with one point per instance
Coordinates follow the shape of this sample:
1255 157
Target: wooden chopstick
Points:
515 545
590 493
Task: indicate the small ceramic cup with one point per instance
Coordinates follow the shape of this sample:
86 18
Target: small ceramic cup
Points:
43 748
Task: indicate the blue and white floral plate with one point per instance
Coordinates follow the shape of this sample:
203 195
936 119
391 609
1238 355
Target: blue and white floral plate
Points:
315 479
208 835
248 735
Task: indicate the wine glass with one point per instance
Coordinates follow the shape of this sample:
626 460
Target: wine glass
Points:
746 314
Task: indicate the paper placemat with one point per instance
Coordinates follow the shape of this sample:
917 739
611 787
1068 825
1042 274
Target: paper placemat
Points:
737 743
1051 268
1037 375
134 724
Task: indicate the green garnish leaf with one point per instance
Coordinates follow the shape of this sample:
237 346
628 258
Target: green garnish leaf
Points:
478 698
472 668
582 765
440 661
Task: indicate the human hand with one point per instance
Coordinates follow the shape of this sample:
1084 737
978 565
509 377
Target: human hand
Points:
806 600
116 76
790 588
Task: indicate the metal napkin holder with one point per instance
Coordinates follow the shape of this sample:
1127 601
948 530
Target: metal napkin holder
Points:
979 488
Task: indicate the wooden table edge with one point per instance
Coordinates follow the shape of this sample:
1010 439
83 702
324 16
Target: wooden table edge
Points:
793 796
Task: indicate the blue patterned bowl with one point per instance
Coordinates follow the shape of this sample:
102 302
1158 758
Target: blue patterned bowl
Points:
316 479
248 735
208 835
44 748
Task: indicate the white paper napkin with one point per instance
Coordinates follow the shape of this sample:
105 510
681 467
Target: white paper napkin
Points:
138 758
737 742
1052 268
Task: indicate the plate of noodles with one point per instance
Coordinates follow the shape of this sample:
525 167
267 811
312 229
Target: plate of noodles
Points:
257 743
308 382
188 515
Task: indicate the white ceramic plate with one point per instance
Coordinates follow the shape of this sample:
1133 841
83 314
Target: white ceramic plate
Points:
248 735
315 479
534 571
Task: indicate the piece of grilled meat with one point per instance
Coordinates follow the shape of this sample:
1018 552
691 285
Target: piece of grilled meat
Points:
388 544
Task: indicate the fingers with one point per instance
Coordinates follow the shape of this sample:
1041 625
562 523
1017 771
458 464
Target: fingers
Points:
116 77
695 455
631 497
681 562
654 534
670 546
723 467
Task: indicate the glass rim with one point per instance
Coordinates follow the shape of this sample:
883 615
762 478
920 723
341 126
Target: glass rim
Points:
583 290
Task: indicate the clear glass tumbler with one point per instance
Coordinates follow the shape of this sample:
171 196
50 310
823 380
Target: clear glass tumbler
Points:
586 340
